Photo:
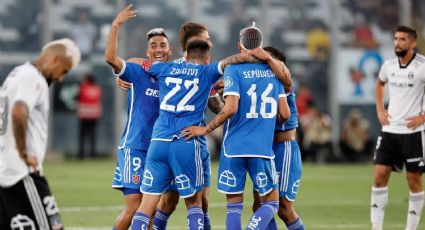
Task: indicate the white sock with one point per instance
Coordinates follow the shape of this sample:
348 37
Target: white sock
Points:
379 200
416 203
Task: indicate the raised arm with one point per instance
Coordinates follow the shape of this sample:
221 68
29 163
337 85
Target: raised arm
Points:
279 68
111 48
237 59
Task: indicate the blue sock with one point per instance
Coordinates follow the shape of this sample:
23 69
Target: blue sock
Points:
272 225
140 221
195 218
296 225
207 221
233 219
261 218
114 228
160 220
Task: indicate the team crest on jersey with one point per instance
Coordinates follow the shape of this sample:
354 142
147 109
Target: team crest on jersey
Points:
410 75
135 179
228 82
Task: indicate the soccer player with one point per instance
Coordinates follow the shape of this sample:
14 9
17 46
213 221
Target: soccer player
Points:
26 201
142 111
184 89
188 32
287 159
402 137
254 98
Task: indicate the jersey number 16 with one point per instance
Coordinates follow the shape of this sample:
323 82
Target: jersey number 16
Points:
265 99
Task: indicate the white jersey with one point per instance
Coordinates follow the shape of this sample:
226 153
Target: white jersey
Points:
406 90
26 84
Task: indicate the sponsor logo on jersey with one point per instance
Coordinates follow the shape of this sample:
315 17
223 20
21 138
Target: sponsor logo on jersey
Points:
152 92
410 75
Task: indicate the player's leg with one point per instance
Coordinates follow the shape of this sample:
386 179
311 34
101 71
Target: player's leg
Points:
128 178
156 179
51 210
386 158
187 166
231 181
415 165
21 207
132 202
166 206
264 177
289 168
416 200
206 162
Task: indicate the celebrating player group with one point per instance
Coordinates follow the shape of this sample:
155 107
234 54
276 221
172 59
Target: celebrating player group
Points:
163 153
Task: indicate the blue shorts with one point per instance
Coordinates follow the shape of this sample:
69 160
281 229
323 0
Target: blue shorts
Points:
179 161
129 169
206 164
232 174
288 167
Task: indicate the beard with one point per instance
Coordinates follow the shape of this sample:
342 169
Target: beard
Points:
401 53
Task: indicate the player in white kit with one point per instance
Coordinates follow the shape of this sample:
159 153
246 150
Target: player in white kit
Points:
402 138
25 198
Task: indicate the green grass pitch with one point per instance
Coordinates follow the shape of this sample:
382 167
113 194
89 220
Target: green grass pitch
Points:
330 197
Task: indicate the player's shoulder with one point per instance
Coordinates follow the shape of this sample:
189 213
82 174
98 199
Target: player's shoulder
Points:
393 62
419 59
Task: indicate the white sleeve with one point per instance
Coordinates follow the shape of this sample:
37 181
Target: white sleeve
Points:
124 65
383 72
29 92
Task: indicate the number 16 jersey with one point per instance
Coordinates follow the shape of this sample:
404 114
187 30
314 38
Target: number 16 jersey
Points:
249 132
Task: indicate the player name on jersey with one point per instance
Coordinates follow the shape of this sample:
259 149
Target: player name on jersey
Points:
258 73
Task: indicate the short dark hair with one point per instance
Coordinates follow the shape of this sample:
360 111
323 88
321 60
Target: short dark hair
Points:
188 30
198 49
405 29
277 54
156 32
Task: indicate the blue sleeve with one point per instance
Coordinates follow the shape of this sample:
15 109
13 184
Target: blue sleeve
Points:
157 69
214 72
129 71
231 81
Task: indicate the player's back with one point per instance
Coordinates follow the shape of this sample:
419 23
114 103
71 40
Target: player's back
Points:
249 132
184 90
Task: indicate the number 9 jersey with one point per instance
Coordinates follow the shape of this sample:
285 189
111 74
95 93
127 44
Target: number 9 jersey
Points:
249 132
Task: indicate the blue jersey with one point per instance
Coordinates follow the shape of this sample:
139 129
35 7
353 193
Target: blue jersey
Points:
184 91
249 132
292 122
142 109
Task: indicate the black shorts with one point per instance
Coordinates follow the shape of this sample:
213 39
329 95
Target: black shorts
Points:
29 205
397 150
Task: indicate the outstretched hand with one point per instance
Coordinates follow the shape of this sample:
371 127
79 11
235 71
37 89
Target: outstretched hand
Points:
123 16
193 131
122 84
